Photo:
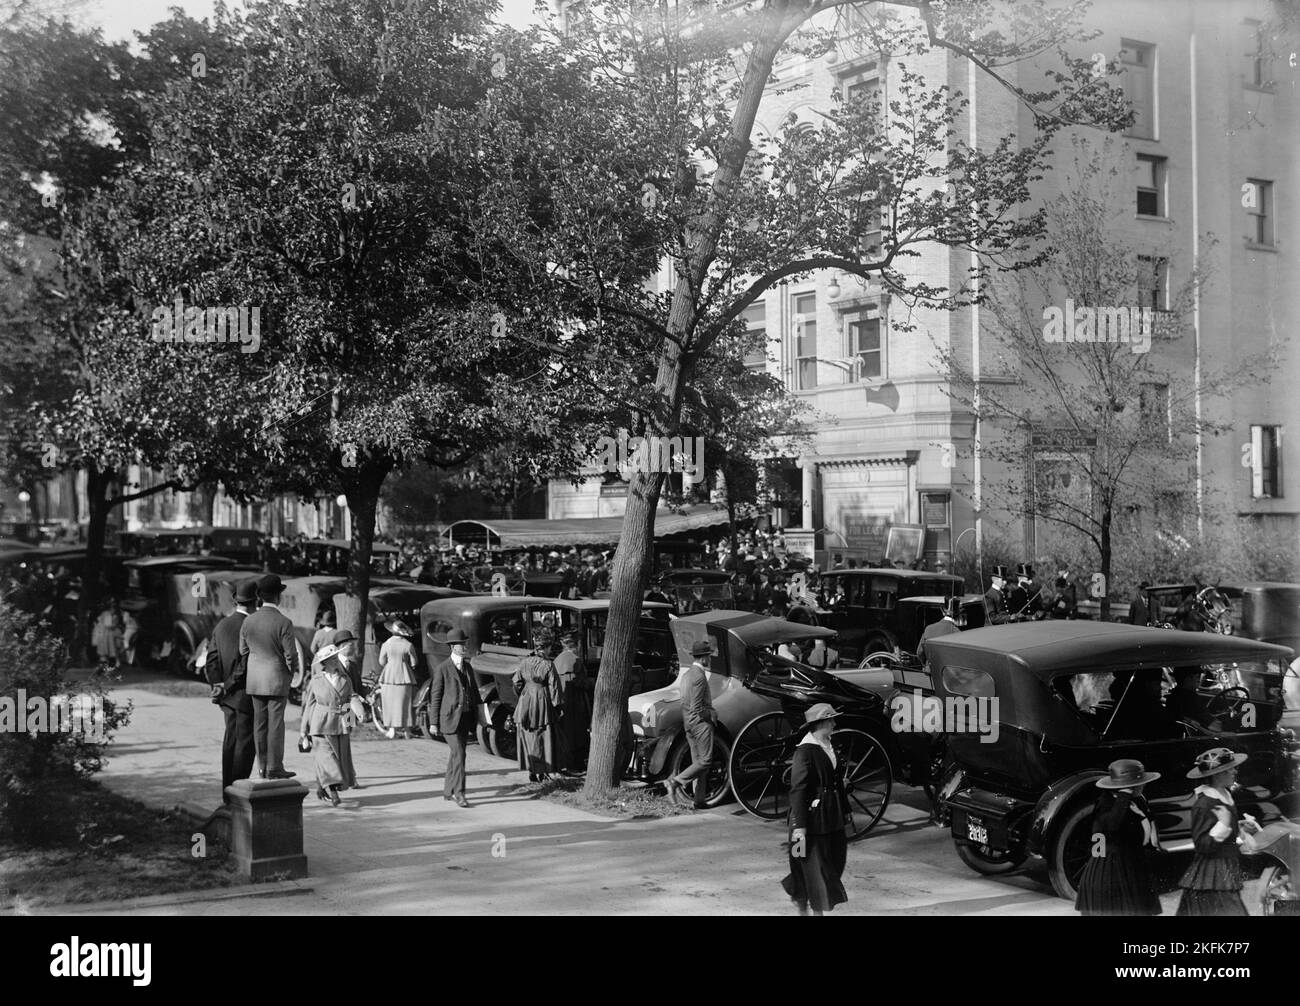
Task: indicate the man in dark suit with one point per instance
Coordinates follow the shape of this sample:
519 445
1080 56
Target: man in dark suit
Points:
995 603
267 643
453 709
226 672
944 627
699 718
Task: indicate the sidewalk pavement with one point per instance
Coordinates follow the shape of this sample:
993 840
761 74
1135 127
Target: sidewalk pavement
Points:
396 847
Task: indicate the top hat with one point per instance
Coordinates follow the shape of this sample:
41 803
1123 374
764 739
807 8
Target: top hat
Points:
398 628
701 648
952 607
1214 761
1025 570
1127 772
820 711
270 585
246 591
456 636
1000 573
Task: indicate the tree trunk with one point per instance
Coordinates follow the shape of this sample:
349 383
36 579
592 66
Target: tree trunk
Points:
362 492
633 559
98 506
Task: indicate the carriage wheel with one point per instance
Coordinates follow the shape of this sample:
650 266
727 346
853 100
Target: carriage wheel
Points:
868 778
882 659
377 710
760 765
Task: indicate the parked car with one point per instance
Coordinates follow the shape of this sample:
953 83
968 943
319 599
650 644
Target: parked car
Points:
659 738
690 591
330 557
500 632
389 599
1029 791
869 620
200 599
155 586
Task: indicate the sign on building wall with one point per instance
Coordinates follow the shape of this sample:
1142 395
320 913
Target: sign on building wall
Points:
904 544
867 532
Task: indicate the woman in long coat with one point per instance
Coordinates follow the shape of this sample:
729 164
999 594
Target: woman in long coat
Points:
1212 884
818 808
575 693
326 718
397 680
1117 879
537 714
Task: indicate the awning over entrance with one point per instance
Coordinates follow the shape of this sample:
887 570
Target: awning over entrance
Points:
509 534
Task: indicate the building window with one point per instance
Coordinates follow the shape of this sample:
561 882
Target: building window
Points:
1151 186
1266 462
756 329
1154 411
866 344
1153 283
805 341
1139 62
1259 67
1258 200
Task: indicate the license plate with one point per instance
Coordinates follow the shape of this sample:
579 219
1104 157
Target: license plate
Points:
976 831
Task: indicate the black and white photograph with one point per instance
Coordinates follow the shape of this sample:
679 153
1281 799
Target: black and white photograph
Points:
652 458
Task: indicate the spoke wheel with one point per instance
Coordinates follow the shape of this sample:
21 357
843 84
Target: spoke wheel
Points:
760 765
868 778
377 710
1277 894
1070 851
717 782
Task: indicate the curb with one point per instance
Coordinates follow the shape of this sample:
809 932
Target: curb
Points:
275 888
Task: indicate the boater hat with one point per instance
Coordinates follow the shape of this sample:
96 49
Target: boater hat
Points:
399 628
1125 773
1214 761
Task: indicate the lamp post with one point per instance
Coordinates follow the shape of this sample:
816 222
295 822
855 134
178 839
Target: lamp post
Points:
979 559
24 497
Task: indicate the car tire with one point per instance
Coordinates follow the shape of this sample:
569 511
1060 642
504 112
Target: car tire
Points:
502 742
679 759
876 642
1069 850
988 862
180 659
1274 884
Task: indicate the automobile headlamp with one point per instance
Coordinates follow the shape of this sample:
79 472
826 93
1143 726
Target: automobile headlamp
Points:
648 716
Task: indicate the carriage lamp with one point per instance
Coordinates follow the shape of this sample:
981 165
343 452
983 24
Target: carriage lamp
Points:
833 290
341 501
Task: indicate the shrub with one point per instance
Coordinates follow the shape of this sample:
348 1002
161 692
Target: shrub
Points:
41 772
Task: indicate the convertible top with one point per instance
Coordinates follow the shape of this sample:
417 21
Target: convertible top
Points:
753 629
1051 649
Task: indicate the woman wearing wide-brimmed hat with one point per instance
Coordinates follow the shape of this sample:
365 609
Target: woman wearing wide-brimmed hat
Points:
326 719
537 713
397 680
1117 878
1212 884
818 807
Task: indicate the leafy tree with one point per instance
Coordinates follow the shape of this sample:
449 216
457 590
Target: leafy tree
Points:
732 214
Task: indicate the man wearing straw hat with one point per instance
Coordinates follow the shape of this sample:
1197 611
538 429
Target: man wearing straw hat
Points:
818 809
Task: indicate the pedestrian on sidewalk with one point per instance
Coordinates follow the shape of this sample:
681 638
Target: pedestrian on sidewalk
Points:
698 718
345 644
537 713
453 708
1117 879
575 695
1212 883
326 714
818 807
227 671
106 637
267 643
397 680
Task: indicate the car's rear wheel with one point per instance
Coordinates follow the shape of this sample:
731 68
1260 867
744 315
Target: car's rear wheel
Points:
502 736
717 785
1070 849
988 861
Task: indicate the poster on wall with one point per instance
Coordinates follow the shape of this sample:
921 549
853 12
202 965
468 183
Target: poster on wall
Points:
904 545
866 533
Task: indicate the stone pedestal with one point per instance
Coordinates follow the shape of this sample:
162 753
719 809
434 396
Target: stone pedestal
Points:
266 828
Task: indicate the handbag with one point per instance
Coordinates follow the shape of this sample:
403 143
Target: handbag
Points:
304 744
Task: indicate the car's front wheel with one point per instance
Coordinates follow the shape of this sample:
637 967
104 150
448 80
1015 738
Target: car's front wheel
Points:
988 861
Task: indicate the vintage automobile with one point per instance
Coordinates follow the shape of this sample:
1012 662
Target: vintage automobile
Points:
1270 612
500 631
691 591
869 619
330 556
389 599
155 586
1065 699
200 599
239 544
659 739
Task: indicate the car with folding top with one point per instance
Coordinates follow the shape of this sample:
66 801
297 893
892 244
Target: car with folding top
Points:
691 590
1069 698
500 631
737 638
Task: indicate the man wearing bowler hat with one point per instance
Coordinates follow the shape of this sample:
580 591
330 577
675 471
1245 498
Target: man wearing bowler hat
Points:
698 717
226 671
453 709
267 643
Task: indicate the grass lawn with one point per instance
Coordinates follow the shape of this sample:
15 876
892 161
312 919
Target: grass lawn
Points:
122 849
